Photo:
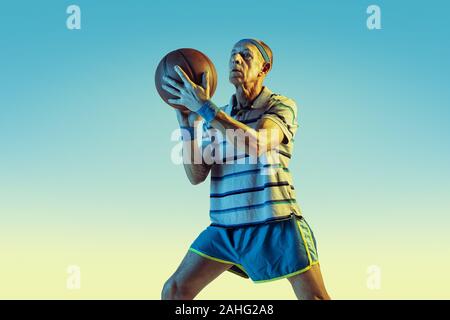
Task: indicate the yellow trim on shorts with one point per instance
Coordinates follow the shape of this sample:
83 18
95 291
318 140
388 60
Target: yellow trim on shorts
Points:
311 262
218 260
304 242
311 237
289 274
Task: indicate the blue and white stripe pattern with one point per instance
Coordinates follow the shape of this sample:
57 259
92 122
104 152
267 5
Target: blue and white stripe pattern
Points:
253 190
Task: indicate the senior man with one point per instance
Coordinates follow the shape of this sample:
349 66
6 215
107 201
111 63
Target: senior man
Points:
257 229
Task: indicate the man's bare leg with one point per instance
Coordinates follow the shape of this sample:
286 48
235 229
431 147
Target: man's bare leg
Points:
309 285
193 274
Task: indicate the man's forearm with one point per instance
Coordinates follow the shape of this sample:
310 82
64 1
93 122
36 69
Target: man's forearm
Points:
195 167
247 139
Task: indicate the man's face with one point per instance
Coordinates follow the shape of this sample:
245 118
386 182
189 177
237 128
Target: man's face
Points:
246 63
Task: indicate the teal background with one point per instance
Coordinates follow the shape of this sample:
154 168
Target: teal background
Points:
85 169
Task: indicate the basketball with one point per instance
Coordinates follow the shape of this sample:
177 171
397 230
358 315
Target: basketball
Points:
193 62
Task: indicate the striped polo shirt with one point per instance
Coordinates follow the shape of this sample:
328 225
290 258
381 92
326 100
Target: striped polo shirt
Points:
246 189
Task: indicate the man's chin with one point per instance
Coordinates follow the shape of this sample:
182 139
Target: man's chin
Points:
236 80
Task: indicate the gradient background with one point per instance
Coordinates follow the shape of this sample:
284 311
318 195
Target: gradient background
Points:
85 172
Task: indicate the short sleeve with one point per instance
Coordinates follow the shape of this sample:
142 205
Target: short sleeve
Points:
284 113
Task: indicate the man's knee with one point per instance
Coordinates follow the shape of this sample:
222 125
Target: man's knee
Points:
176 290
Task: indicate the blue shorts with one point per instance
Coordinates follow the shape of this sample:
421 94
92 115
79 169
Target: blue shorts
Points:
263 252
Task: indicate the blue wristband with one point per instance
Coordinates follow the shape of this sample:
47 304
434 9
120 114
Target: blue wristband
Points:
187 133
208 111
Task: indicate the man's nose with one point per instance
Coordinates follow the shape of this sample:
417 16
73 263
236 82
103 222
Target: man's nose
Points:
236 58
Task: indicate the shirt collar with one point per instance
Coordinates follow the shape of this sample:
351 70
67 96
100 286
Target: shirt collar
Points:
260 101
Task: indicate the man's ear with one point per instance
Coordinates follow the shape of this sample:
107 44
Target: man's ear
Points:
266 67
